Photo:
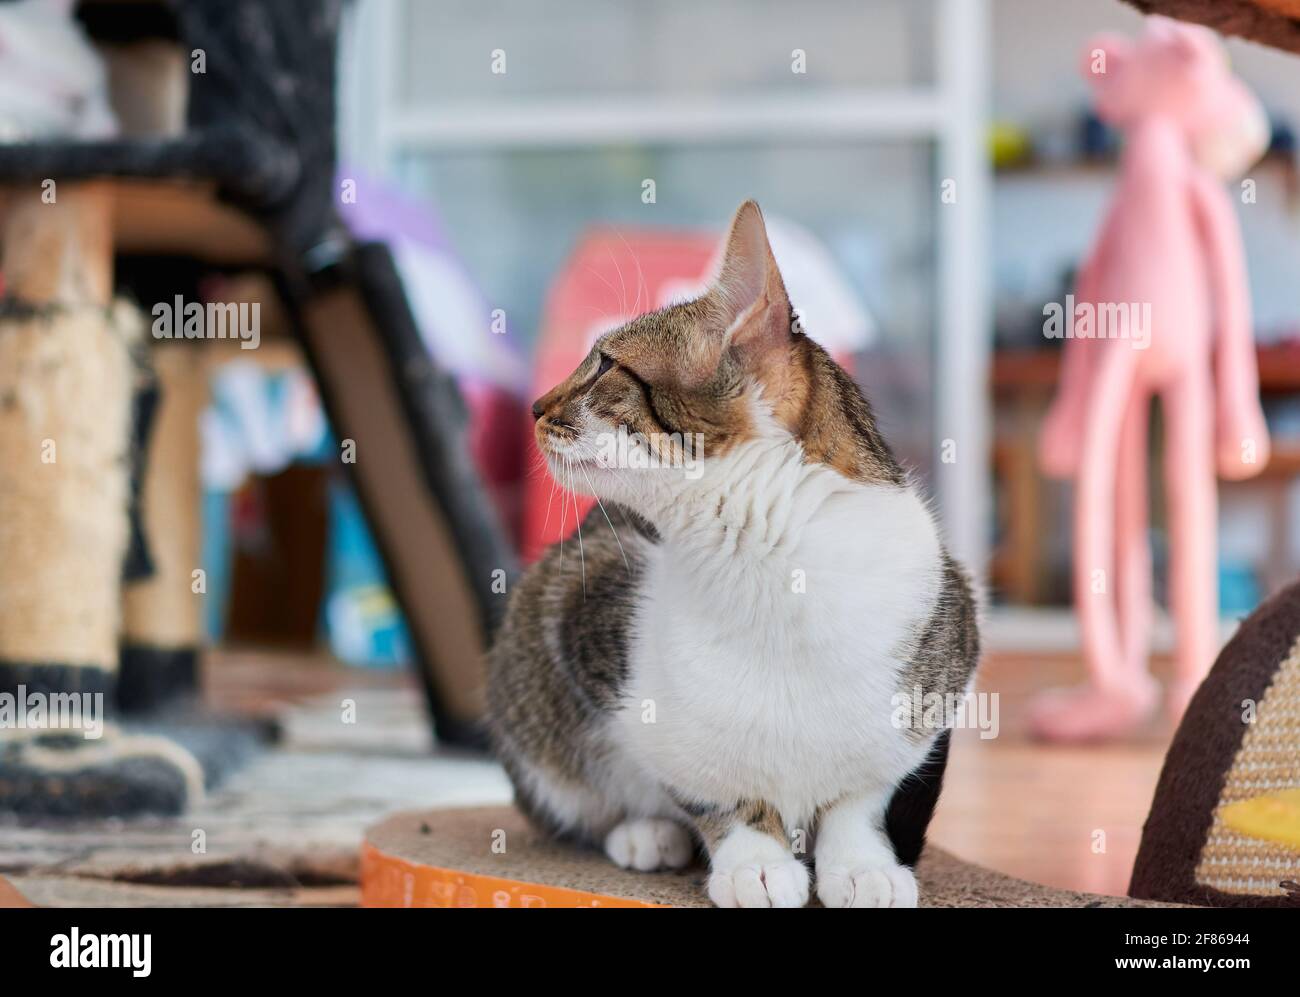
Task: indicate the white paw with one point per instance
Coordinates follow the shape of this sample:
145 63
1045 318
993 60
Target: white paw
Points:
890 885
759 883
752 869
649 843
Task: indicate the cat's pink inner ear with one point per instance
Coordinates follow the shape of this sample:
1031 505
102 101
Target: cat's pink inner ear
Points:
754 309
743 274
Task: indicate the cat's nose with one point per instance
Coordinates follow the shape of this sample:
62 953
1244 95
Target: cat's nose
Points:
538 410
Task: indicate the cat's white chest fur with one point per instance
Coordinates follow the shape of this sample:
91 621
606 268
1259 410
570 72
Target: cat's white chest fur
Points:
766 648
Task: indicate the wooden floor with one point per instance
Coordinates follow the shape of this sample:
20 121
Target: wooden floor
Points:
1065 816
285 830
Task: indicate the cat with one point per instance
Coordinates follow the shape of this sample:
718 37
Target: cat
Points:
717 657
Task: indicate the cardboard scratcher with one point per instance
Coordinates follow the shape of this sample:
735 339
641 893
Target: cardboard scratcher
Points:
491 857
1224 827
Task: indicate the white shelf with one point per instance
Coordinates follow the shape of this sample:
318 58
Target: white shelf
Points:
604 121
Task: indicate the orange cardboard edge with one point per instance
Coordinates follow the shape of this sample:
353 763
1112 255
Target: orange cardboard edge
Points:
389 881
10 897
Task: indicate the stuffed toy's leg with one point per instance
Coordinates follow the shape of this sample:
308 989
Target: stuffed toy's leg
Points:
1111 565
1132 546
1061 440
1193 571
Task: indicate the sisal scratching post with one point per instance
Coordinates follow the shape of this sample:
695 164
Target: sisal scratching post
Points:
161 614
65 397
66 385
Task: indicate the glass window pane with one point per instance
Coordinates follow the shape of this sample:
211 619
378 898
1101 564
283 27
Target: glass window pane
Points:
584 48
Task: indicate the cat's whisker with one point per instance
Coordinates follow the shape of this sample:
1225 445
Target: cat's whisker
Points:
602 314
640 276
607 519
564 508
582 556
549 502
622 301
537 466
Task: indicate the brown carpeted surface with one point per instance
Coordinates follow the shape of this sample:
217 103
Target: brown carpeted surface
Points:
496 842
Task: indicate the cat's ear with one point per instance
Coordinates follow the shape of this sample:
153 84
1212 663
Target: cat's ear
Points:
751 307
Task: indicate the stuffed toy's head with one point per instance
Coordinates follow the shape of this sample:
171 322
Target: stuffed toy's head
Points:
1178 72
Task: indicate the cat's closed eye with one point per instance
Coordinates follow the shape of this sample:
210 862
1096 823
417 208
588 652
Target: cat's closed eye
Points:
605 364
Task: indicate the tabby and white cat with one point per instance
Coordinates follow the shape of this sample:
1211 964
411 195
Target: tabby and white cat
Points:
718 658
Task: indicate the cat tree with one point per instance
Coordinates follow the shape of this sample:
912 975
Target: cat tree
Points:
246 184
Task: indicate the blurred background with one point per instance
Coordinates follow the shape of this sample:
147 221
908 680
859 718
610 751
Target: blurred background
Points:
944 306
932 175
519 167
542 172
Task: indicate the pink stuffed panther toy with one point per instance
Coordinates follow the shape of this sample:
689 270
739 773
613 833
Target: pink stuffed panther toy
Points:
1170 311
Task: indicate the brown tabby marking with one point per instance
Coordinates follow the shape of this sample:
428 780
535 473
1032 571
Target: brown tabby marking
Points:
573 635
713 823
946 649
813 396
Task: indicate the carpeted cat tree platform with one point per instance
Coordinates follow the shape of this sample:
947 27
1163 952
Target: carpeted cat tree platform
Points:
490 857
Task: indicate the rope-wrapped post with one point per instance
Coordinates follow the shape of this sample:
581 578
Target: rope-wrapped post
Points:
162 621
67 380
65 406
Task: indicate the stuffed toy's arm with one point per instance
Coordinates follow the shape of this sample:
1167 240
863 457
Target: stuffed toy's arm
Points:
1060 441
1242 444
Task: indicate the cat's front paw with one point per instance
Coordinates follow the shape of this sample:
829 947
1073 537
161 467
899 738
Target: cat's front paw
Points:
750 870
649 843
866 886
761 884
